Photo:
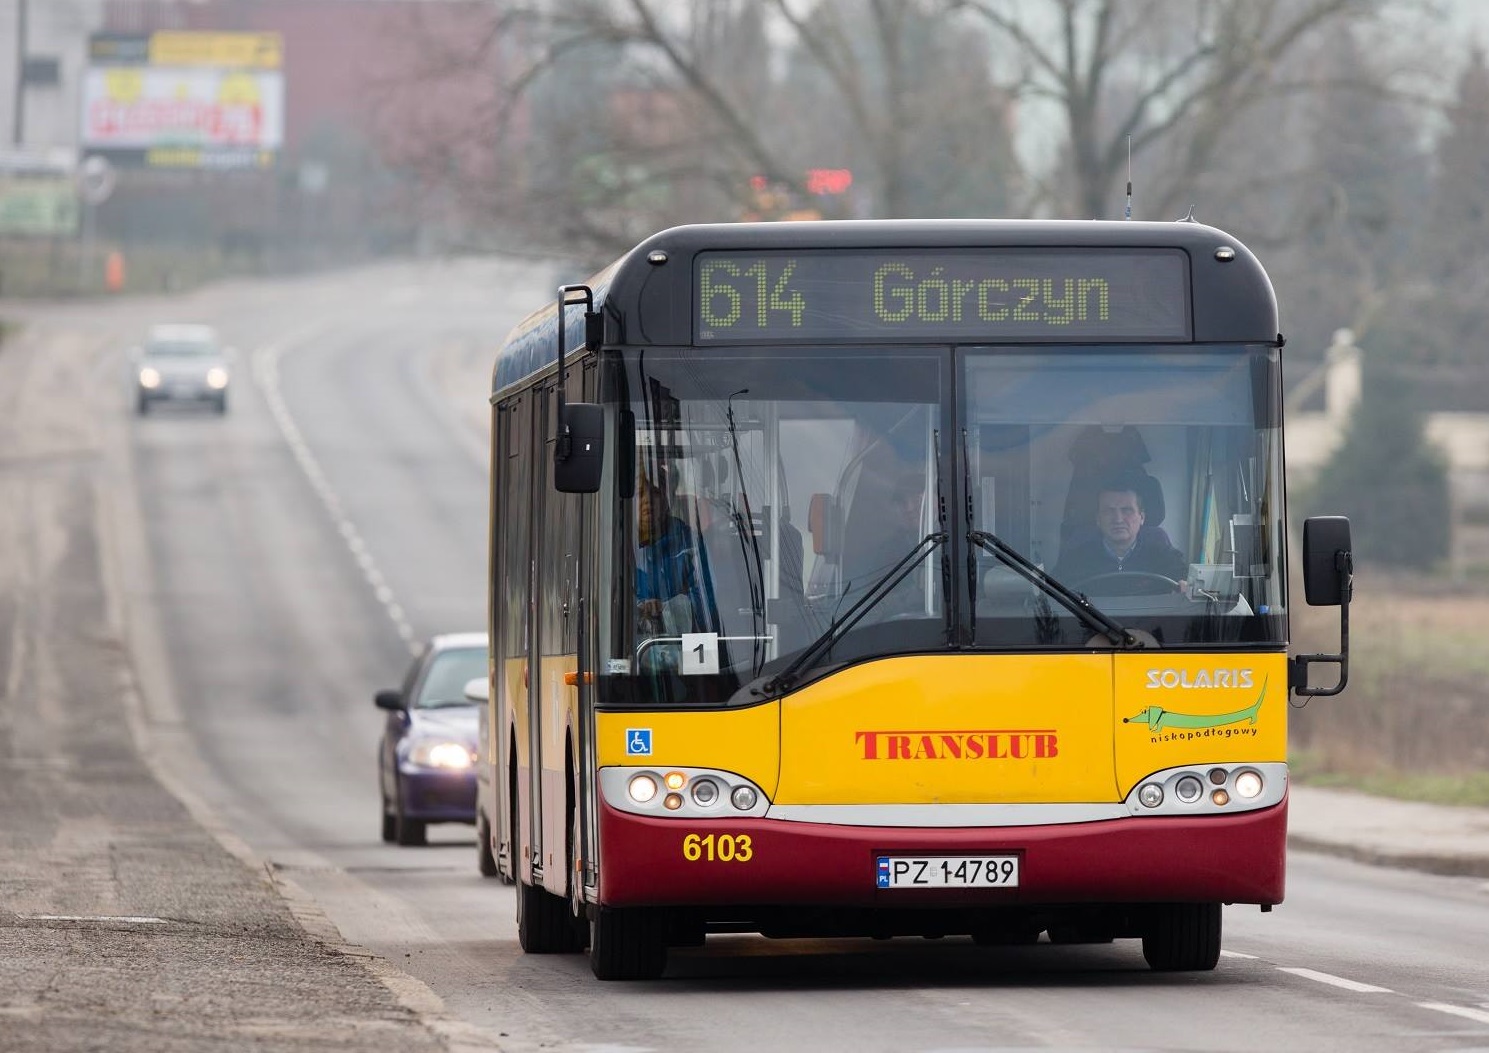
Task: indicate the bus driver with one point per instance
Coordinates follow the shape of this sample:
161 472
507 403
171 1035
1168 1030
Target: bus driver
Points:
1123 545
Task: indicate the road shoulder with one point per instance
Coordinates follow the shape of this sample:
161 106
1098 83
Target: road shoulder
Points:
132 919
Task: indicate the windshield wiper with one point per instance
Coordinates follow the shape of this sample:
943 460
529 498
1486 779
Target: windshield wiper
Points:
749 542
1076 602
849 618
945 556
971 526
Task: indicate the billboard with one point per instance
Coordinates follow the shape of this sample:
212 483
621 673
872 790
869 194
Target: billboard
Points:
184 100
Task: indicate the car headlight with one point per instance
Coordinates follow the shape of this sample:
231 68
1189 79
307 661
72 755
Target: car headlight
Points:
217 378
149 377
441 753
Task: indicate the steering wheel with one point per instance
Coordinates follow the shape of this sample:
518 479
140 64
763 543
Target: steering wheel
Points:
1130 583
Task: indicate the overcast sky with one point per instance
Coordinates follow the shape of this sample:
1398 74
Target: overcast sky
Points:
1474 15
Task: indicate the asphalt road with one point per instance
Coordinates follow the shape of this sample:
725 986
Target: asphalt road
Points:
273 569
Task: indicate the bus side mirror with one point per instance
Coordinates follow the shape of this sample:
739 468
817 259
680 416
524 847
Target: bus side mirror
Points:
1328 580
580 449
1328 561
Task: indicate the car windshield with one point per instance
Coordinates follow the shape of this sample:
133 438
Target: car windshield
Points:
449 672
181 348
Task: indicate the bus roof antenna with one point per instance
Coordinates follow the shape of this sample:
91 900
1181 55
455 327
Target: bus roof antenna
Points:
1129 179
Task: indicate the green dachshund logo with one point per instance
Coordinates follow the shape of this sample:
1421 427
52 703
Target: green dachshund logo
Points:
1157 718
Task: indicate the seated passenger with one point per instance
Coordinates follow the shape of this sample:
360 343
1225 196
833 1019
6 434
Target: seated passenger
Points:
893 533
1123 545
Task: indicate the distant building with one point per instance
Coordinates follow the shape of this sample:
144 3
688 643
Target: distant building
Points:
39 102
348 133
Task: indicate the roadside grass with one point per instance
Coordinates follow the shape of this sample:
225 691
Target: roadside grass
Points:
1413 721
1467 788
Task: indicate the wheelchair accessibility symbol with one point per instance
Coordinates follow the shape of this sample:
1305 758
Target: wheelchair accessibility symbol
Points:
638 742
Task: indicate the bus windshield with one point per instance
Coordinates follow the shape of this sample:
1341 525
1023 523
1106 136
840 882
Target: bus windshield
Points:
764 495
1149 483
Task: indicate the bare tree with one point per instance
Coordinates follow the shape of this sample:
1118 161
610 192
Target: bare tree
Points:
438 103
629 115
1452 259
609 118
1167 78
916 108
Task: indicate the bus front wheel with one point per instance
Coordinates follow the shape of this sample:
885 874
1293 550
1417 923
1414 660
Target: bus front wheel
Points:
543 922
627 943
485 861
1183 937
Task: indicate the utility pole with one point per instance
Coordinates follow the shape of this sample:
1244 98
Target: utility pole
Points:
18 125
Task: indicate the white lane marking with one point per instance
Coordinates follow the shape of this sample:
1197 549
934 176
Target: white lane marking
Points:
266 372
1238 954
1457 1010
131 919
1337 981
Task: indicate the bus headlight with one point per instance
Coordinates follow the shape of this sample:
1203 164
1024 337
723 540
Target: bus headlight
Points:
681 792
1221 789
705 793
150 377
216 378
642 788
1248 784
1188 789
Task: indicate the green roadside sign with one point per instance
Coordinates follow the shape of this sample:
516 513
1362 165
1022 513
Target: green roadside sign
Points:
38 207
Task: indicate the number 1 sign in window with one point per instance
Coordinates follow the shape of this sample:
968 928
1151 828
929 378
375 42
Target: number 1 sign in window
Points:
700 654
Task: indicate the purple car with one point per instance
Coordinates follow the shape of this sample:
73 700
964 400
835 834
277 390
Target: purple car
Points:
427 759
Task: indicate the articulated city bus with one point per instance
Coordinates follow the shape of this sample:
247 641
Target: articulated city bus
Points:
897 578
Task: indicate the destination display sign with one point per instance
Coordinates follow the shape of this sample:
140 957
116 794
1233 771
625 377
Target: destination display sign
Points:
965 296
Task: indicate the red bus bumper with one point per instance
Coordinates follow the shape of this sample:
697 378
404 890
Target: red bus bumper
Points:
1225 859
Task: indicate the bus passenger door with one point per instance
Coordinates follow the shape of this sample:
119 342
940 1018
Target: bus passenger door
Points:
540 495
512 627
555 685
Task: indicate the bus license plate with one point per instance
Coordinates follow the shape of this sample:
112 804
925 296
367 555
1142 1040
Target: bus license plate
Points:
948 872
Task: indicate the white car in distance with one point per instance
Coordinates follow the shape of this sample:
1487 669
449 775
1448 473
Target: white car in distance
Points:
181 363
